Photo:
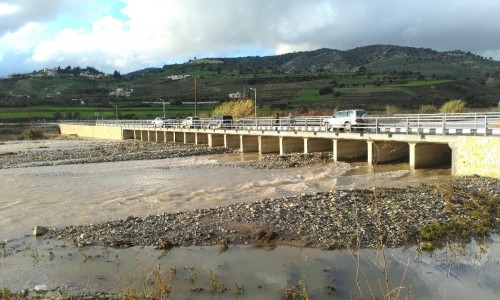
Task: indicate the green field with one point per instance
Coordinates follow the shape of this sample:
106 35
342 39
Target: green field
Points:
51 112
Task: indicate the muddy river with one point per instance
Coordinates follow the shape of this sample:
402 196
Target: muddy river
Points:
88 193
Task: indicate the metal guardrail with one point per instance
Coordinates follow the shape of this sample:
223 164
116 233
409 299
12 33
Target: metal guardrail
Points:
487 124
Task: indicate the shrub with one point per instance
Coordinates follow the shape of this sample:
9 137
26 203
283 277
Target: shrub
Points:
33 133
453 106
428 109
391 109
237 109
325 90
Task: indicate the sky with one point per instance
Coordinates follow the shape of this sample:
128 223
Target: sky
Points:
128 35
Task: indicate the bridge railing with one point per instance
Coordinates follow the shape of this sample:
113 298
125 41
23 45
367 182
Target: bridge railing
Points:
452 124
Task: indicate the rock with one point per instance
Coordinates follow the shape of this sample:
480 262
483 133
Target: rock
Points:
39 230
42 288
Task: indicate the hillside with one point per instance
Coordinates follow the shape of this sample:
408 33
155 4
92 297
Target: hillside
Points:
369 77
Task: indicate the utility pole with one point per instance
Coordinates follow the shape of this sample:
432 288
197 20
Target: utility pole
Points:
29 109
255 105
195 97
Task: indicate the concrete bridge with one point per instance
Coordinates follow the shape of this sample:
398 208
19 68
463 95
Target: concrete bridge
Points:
467 148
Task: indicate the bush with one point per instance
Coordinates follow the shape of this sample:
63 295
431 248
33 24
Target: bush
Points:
33 133
428 109
391 109
237 109
453 106
325 90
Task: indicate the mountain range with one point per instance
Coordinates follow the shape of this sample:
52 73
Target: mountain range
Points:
369 77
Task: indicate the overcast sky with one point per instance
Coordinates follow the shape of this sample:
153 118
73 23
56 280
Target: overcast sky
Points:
128 35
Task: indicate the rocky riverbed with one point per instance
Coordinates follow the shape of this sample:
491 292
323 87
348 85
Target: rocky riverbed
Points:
335 219
46 154
97 152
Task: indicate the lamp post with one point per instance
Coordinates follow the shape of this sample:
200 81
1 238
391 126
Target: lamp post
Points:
255 105
163 101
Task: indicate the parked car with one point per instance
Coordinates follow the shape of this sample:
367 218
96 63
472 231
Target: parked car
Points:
345 119
219 122
163 122
191 122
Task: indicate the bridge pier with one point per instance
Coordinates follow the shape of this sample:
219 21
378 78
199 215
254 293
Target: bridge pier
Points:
269 144
189 138
420 155
215 140
155 136
349 149
384 151
201 138
169 137
232 141
249 143
178 137
128 134
288 145
317 145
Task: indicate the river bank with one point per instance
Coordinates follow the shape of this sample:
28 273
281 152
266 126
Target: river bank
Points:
332 220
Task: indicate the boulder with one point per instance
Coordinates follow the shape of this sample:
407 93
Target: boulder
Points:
39 230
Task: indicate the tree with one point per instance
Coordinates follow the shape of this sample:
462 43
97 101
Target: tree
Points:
453 106
117 75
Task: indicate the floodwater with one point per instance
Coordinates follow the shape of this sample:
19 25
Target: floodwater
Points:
88 193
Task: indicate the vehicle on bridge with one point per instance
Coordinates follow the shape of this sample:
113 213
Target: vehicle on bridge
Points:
345 119
191 122
219 122
162 122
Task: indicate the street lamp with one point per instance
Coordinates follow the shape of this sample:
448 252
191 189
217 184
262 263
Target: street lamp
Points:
163 101
255 105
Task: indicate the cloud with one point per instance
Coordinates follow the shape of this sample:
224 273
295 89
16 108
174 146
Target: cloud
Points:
15 14
131 34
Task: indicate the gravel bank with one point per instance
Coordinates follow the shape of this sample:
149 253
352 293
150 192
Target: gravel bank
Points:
327 220
103 152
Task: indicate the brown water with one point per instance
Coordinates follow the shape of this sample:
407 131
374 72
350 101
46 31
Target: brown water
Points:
88 193
470 273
